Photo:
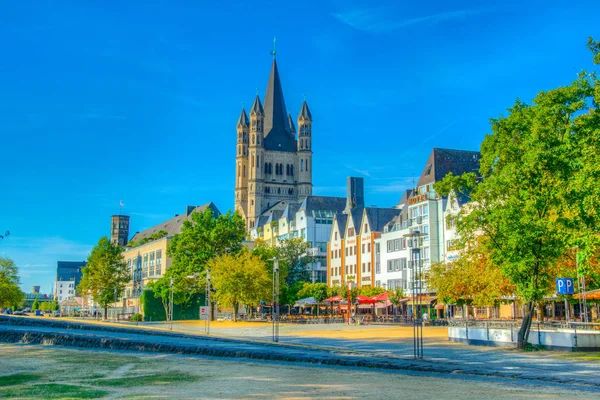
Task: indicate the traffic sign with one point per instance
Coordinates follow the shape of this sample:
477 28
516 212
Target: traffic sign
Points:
565 286
204 311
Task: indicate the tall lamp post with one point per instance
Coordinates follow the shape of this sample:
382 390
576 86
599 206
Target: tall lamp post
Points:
171 305
208 301
414 242
275 307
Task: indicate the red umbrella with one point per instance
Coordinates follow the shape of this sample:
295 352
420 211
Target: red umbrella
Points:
365 300
381 297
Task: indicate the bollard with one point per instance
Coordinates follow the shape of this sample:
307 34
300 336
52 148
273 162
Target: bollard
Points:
487 330
539 335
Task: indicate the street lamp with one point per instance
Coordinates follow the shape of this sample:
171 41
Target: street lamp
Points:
275 306
349 300
171 305
414 242
208 301
115 306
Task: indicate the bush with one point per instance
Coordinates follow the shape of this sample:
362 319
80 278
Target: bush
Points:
154 310
137 317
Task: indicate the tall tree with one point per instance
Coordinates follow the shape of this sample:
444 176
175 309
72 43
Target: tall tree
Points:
240 279
293 259
10 293
539 193
202 239
105 274
36 304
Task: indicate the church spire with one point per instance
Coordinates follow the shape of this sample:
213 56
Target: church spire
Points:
275 114
257 108
243 120
291 124
305 112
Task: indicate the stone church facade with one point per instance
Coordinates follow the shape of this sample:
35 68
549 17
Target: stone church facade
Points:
273 163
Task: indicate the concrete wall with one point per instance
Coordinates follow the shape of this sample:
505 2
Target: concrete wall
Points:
562 339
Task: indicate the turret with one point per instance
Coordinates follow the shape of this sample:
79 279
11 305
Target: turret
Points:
304 150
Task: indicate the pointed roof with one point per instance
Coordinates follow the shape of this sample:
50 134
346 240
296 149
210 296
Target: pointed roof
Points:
257 108
305 112
278 135
243 120
442 161
291 124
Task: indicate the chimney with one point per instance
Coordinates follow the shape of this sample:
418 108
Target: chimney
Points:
355 195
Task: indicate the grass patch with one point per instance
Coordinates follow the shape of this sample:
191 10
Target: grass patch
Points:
52 391
161 379
18 379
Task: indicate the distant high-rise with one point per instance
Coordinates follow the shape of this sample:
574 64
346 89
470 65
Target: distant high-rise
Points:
35 290
119 231
68 275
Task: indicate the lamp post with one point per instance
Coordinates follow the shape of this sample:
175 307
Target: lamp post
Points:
208 301
414 242
275 305
171 305
115 307
349 301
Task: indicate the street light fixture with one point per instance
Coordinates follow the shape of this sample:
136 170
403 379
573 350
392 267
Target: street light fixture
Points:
414 242
275 305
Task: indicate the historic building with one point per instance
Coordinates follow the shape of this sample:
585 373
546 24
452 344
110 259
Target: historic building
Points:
351 254
272 164
424 211
68 275
119 231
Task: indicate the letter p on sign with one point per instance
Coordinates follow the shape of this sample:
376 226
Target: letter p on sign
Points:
565 286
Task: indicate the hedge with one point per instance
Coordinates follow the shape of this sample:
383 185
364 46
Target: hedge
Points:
153 309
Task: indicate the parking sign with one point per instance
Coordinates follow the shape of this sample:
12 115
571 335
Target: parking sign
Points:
565 286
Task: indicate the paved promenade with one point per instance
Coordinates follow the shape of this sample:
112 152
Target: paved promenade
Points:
362 347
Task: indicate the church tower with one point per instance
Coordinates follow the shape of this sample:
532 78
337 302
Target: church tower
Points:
272 164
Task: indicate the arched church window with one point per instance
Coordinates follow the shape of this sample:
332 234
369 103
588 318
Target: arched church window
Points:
301 165
292 170
244 171
278 190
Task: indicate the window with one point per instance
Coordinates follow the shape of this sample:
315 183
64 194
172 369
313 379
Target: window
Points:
369 267
335 235
363 248
346 252
301 165
450 222
390 246
377 267
331 253
363 267
389 266
377 249
350 231
366 229
368 247
354 249
403 263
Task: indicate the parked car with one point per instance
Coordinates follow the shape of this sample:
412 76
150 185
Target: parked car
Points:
39 313
57 314
19 313
8 311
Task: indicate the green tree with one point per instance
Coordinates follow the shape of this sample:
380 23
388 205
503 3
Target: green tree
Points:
105 274
202 239
317 290
240 279
539 192
293 259
10 293
371 291
36 304
55 306
395 297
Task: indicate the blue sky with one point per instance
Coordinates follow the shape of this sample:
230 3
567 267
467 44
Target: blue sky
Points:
138 100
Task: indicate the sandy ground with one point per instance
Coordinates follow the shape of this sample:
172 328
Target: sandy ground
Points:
213 378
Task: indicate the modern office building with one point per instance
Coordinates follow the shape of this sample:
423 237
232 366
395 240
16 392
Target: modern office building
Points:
68 275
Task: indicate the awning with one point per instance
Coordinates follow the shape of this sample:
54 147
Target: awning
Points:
440 306
309 301
365 300
381 297
591 295
423 301
333 299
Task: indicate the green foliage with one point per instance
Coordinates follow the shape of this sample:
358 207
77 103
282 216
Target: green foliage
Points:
155 236
335 290
137 318
154 310
240 279
201 240
55 305
371 291
36 304
10 293
396 296
539 196
105 273
316 290
293 259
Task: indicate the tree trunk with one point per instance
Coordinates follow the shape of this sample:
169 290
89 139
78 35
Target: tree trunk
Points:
105 311
166 307
235 311
523 335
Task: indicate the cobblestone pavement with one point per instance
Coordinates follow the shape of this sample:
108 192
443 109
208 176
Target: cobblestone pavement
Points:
440 357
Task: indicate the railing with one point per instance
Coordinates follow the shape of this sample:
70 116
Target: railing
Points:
535 325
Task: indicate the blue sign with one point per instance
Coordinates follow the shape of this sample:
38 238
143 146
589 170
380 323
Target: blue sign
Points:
565 286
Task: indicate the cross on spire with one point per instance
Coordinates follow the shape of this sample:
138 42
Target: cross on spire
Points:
274 51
